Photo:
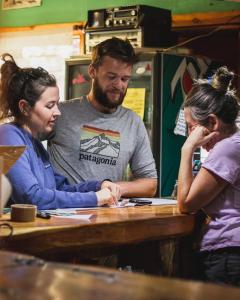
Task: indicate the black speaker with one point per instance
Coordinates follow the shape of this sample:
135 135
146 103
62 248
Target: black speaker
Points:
96 19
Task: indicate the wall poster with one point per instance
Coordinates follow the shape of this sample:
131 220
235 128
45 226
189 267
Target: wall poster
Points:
14 4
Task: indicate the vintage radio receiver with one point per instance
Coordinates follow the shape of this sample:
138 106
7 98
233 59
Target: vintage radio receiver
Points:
144 26
129 17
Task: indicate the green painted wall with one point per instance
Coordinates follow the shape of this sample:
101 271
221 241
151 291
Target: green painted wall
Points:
62 11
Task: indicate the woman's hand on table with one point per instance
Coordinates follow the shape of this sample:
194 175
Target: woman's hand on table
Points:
109 194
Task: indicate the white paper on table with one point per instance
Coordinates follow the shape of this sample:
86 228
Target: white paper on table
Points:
68 211
72 213
61 211
155 201
77 217
160 201
121 206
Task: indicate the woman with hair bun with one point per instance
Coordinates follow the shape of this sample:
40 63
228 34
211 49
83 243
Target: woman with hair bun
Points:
29 97
211 109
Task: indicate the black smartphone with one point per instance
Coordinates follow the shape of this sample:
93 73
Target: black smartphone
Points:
140 201
43 215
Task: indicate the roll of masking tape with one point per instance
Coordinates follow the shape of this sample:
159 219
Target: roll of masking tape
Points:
23 212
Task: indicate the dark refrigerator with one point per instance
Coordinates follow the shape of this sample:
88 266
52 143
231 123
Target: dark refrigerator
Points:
166 78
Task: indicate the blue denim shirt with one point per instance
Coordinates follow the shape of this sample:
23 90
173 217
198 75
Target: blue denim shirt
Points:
34 180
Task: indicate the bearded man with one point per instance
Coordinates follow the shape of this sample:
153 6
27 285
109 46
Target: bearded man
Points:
96 137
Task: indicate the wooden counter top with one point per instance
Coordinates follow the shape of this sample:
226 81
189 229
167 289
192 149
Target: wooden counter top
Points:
107 227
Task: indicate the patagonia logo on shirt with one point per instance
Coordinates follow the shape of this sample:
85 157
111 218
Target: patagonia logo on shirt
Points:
99 145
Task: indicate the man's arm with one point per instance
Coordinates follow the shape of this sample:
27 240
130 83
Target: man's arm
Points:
142 187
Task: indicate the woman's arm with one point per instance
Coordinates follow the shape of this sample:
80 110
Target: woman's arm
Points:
32 177
195 193
62 184
110 188
27 188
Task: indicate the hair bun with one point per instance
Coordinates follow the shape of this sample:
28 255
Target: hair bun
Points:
222 79
7 57
9 64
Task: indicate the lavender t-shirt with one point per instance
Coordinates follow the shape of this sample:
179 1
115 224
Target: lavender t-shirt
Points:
224 211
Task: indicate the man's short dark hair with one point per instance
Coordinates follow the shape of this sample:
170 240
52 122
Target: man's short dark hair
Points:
116 48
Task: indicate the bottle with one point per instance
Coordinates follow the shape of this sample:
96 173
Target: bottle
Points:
174 192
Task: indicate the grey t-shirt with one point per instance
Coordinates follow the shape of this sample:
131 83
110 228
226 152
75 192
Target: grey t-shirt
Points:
92 145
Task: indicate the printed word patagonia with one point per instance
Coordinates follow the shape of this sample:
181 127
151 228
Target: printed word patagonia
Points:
98 160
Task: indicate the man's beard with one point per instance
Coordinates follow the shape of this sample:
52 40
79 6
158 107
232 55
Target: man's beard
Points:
102 98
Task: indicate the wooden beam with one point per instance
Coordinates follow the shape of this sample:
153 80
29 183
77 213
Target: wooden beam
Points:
41 27
227 19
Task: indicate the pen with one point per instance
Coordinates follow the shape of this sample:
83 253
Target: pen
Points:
43 215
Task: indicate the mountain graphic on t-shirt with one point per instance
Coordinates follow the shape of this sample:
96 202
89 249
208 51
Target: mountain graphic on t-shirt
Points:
102 145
